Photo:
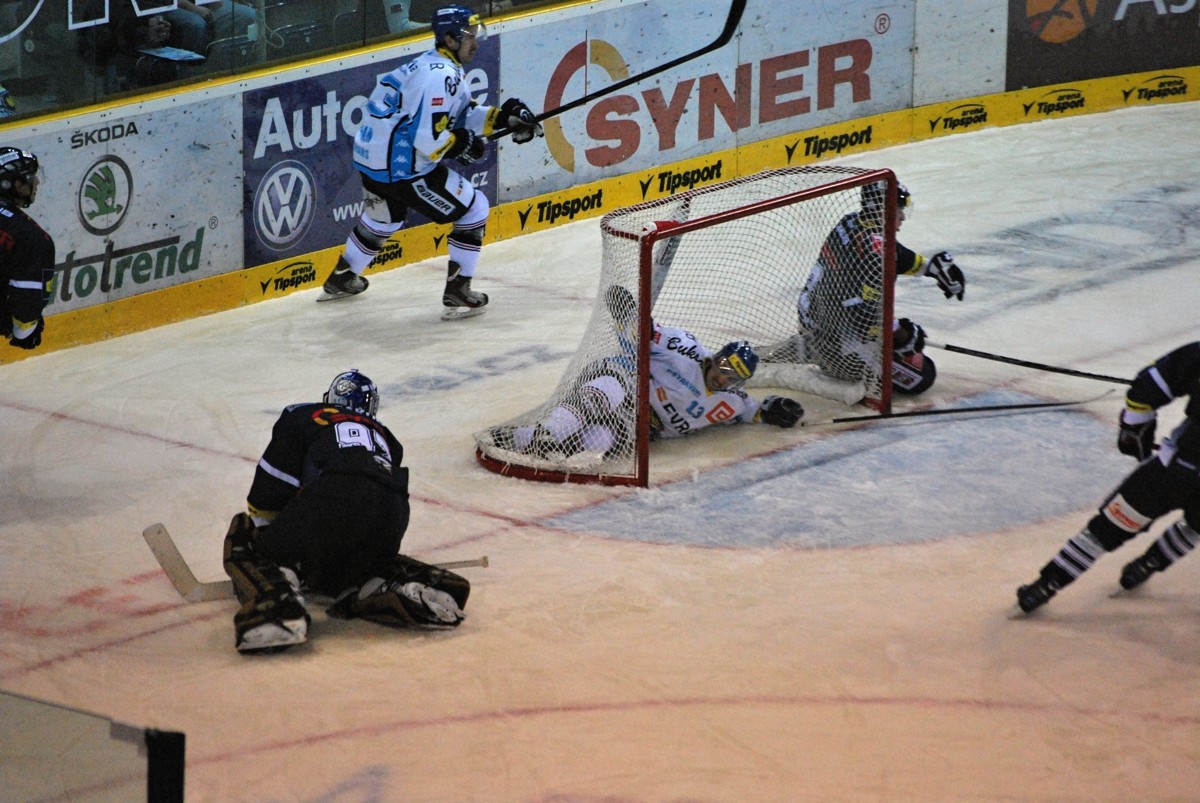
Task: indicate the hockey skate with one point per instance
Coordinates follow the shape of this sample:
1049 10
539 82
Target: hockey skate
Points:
342 283
1035 595
1139 570
459 299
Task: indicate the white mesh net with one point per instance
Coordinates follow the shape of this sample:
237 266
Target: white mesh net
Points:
802 286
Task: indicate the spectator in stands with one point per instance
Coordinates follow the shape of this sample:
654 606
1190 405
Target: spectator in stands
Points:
197 26
115 50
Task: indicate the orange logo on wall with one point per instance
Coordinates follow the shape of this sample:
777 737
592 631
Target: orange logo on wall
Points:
1058 21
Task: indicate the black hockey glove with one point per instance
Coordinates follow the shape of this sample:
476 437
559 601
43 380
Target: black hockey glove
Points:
908 338
1136 440
468 146
780 411
521 119
31 340
948 275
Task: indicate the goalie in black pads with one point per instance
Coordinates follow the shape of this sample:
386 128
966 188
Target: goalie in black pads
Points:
1167 478
840 305
328 509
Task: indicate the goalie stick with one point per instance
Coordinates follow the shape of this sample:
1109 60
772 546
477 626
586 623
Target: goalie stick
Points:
987 408
731 23
1039 366
192 590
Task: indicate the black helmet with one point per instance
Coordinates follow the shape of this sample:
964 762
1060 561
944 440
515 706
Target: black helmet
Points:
16 165
872 198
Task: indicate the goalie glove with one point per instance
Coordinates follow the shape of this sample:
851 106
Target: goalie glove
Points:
780 411
521 119
948 276
1136 436
908 337
468 146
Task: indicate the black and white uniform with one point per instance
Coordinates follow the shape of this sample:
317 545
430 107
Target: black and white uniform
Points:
1166 481
26 271
330 497
841 305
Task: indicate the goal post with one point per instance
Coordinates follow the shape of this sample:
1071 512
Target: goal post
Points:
764 258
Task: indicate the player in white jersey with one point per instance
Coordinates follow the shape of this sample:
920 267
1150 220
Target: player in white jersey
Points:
419 115
691 388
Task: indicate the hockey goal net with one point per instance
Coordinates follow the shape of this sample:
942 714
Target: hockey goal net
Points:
746 259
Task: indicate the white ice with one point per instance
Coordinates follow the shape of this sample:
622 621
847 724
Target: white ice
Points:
814 614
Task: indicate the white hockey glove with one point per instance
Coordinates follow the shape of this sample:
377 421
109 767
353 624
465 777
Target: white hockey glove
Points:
948 276
1136 437
521 119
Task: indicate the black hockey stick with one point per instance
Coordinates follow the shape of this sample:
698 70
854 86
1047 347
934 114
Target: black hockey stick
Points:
731 23
192 590
1028 364
987 408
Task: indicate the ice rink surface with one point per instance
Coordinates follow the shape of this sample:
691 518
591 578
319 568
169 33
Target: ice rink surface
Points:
813 614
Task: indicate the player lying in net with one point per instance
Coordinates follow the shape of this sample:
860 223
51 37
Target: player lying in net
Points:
1162 482
328 510
841 305
690 388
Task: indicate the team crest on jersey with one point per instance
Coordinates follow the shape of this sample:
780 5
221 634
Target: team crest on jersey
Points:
720 413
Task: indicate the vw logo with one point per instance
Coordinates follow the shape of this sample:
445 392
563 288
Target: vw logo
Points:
284 205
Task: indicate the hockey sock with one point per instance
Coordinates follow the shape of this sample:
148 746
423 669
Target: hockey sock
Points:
1178 540
1075 558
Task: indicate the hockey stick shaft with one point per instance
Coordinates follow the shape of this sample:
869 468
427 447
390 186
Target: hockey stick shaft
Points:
988 408
1039 366
731 23
184 580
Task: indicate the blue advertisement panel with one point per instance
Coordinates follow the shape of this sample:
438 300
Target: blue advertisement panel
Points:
301 191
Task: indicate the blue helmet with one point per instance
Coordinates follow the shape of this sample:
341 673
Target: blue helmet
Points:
455 21
737 361
354 390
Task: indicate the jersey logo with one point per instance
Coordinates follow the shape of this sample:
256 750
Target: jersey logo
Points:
721 413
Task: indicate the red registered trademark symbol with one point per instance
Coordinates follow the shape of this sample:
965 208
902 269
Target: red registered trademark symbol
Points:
883 23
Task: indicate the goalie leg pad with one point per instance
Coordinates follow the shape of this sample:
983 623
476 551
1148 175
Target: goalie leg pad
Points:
272 616
406 604
912 373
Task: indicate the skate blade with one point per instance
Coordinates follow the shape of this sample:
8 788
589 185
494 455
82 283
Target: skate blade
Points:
457 313
328 296
1015 612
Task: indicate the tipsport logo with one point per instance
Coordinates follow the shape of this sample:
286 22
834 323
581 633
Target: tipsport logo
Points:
284 205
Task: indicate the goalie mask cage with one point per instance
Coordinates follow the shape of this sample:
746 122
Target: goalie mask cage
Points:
730 261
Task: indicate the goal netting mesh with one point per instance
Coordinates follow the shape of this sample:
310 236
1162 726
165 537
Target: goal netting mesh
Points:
760 258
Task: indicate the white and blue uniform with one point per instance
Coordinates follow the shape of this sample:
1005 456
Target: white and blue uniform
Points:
680 402
410 114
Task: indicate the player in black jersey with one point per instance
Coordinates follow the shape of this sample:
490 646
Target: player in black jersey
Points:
1164 481
26 252
840 305
328 509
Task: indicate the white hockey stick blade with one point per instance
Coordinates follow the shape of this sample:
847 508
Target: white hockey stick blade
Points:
177 570
192 590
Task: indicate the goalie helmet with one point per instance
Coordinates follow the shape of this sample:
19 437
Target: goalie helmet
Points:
872 200
354 390
735 363
454 21
18 166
